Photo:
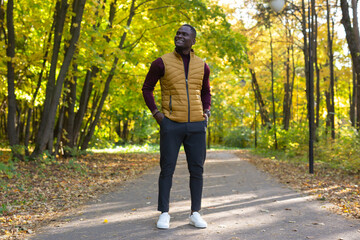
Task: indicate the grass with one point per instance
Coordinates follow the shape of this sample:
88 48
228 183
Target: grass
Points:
130 148
149 148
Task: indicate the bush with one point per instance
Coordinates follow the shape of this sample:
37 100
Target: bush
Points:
8 170
291 141
342 152
239 137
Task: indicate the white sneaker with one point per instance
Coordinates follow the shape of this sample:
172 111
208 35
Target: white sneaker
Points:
197 221
164 221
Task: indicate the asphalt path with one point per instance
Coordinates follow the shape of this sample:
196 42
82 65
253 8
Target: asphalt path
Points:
239 202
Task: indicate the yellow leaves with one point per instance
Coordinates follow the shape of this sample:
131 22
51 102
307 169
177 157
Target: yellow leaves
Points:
105 221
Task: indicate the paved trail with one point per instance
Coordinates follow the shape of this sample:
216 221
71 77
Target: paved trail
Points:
239 202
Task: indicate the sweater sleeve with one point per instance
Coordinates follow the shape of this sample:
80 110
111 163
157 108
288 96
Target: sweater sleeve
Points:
205 91
156 71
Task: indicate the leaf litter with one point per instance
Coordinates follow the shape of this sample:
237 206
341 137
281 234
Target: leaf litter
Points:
337 186
42 192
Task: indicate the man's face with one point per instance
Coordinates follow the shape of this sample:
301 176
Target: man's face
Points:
184 38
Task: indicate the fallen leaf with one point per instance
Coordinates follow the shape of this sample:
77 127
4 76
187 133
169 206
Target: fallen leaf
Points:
316 223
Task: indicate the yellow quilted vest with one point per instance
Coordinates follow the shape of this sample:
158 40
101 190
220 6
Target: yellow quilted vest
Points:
181 98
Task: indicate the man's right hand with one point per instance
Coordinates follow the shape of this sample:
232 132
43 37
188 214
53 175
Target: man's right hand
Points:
159 117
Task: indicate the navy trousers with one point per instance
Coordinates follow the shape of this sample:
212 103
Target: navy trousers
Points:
193 136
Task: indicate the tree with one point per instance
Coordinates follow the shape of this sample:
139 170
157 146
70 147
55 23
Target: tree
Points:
263 112
290 79
352 37
53 91
331 93
10 53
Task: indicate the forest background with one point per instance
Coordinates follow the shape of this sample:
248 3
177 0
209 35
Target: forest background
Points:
71 77
72 72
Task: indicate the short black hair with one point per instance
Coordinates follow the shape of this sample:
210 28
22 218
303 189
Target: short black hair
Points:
192 28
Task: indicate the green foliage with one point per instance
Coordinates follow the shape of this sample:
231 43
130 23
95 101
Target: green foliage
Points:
74 152
8 169
239 137
75 165
342 152
100 143
17 150
47 158
4 209
130 148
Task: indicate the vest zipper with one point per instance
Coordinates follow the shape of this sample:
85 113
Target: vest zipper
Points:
170 105
187 92
187 86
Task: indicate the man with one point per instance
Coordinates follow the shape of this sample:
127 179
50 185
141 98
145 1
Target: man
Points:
185 109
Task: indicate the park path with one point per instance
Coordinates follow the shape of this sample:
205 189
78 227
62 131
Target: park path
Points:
239 202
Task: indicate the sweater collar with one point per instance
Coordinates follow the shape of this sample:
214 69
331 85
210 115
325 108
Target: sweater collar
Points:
179 55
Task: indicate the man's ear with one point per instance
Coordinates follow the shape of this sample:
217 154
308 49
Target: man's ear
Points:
193 41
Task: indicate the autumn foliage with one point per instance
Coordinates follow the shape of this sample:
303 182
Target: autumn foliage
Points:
34 193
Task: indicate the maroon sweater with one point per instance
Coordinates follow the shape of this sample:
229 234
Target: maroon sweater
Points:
157 70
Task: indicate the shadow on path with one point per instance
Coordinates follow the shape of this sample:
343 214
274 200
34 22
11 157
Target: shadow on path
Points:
239 202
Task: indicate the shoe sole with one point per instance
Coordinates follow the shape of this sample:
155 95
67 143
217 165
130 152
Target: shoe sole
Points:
193 224
161 228
164 228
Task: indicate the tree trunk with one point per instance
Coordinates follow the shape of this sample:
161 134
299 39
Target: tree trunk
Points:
86 127
263 112
125 131
328 107
353 97
90 133
309 69
287 90
272 88
331 66
69 120
83 105
48 118
60 16
31 109
289 85
352 38
293 75
286 106
10 53
305 47
356 84
2 20
59 130
87 87
317 70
